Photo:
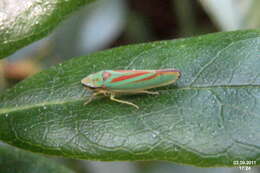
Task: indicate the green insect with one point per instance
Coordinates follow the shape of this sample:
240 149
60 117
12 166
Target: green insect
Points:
112 82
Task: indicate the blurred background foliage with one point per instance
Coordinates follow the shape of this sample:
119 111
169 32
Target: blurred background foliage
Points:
111 23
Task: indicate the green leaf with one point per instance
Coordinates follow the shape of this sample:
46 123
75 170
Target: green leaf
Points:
209 118
13 160
22 22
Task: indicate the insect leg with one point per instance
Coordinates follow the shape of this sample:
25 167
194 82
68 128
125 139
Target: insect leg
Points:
92 97
112 97
147 92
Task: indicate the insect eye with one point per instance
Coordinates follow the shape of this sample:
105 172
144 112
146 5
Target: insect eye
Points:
106 75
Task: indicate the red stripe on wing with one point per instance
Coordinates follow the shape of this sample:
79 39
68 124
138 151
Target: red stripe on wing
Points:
147 78
127 71
160 72
121 78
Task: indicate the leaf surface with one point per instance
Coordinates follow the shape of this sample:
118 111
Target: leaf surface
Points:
210 117
14 160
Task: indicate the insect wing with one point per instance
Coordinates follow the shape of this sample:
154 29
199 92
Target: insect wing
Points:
127 80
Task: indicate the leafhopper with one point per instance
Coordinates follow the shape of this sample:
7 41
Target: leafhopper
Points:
113 82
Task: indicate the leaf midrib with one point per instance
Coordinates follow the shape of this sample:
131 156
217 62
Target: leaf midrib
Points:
6 111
